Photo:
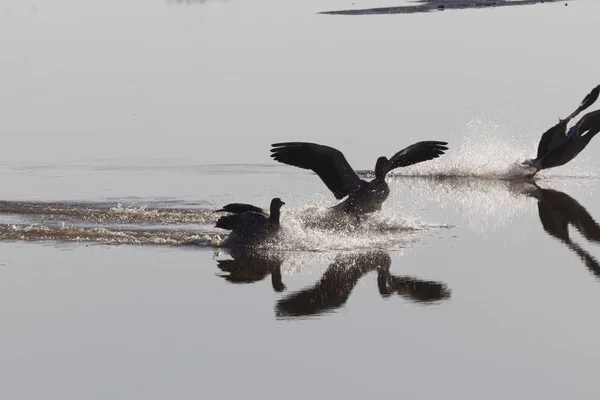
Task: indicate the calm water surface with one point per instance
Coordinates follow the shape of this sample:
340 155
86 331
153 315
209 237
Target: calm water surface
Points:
126 124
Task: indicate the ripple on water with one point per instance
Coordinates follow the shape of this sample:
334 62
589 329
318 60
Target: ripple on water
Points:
308 228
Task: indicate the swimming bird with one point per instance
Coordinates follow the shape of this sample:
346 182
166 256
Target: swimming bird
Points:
249 222
559 146
337 174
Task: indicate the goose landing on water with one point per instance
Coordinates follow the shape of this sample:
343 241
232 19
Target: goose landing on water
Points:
559 146
248 222
333 169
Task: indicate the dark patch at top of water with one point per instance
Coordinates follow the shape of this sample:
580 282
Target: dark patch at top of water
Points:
437 5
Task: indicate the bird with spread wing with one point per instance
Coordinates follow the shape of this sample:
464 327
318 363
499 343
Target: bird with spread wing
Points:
334 170
558 145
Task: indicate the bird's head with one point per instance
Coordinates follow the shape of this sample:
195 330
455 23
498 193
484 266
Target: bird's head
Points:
382 167
276 203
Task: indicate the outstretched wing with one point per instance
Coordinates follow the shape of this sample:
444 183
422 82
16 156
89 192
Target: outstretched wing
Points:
327 162
238 208
587 101
416 153
589 122
556 136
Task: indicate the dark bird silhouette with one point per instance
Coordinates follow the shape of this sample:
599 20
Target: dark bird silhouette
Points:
559 146
249 266
337 174
248 222
335 286
412 289
558 210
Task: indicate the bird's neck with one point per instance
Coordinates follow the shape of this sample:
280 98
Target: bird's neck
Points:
380 176
380 172
274 215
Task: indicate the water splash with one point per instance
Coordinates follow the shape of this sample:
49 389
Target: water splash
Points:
487 151
492 151
481 204
309 228
106 213
102 235
317 228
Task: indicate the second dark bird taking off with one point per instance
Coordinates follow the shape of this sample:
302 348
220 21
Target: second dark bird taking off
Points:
331 166
559 146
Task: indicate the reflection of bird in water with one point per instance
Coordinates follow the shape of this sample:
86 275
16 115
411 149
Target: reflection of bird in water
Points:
559 146
252 266
557 210
335 286
411 288
249 223
333 169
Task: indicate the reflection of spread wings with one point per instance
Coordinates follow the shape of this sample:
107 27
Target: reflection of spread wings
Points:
561 205
553 223
412 289
590 262
556 211
335 286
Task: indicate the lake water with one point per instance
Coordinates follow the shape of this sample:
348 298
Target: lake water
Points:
127 123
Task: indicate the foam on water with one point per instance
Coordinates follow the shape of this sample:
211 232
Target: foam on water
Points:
479 203
102 235
106 213
318 228
484 204
307 228
288 262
